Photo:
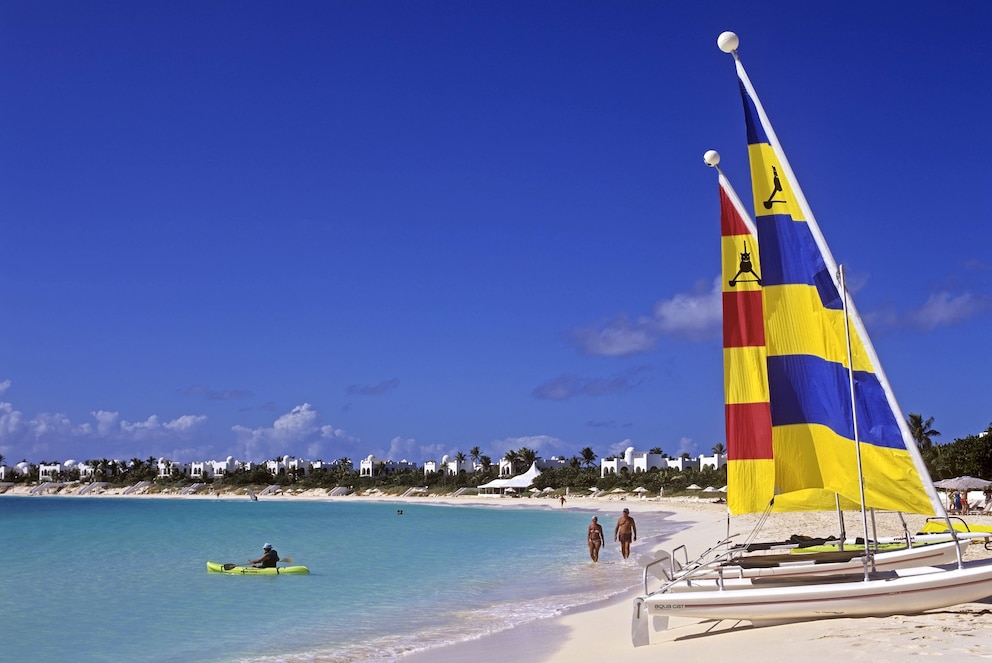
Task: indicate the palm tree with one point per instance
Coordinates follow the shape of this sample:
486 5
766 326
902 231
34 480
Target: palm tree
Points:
343 467
511 458
719 449
588 456
475 453
656 451
526 457
923 432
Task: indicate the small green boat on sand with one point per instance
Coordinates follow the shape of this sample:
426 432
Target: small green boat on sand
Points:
217 567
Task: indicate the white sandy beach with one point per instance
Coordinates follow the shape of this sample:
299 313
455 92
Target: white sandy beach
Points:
602 632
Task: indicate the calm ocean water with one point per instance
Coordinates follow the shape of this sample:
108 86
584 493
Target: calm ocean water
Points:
95 579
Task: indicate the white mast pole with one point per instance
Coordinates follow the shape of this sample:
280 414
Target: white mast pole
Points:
854 411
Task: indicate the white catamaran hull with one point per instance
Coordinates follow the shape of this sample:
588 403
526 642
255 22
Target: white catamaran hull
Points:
800 565
908 591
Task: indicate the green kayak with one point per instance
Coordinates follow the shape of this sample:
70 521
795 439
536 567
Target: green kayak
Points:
217 567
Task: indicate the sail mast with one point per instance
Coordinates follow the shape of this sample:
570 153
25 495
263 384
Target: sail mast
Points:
854 407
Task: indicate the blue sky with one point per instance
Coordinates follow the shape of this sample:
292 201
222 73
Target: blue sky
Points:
332 229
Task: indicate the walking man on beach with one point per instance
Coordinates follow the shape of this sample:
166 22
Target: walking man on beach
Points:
625 532
596 539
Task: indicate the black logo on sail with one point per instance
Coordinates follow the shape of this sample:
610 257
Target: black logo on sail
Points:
745 268
776 188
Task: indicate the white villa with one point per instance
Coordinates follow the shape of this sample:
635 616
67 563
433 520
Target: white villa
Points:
167 468
372 466
289 465
450 466
642 461
20 470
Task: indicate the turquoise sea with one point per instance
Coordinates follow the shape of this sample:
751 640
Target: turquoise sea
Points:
96 579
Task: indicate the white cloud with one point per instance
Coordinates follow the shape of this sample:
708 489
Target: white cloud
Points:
50 424
11 421
49 433
185 423
695 316
300 427
943 309
106 422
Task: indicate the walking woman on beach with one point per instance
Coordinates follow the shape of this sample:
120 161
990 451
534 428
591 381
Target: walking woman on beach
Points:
596 539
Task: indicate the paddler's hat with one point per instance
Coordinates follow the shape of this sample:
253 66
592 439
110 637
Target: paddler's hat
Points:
267 546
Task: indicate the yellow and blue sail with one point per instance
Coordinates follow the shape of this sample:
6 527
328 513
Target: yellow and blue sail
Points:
810 457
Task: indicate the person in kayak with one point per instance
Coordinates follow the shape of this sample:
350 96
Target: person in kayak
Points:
267 560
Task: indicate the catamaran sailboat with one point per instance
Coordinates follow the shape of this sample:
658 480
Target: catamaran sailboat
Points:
812 423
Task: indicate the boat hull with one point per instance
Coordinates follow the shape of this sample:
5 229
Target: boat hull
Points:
908 591
234 569
809 564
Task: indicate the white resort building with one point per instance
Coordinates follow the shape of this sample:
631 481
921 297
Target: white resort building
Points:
641 461
373 467
449 466
511 485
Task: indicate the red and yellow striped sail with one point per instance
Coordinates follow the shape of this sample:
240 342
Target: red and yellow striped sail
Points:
750 461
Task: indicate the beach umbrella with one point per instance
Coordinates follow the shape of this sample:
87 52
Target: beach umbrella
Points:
618 490
723 490
510 490
640 489
693 487
709 489
963 483
534 490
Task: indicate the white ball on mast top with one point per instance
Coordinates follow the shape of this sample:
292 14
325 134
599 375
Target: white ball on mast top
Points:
728 42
